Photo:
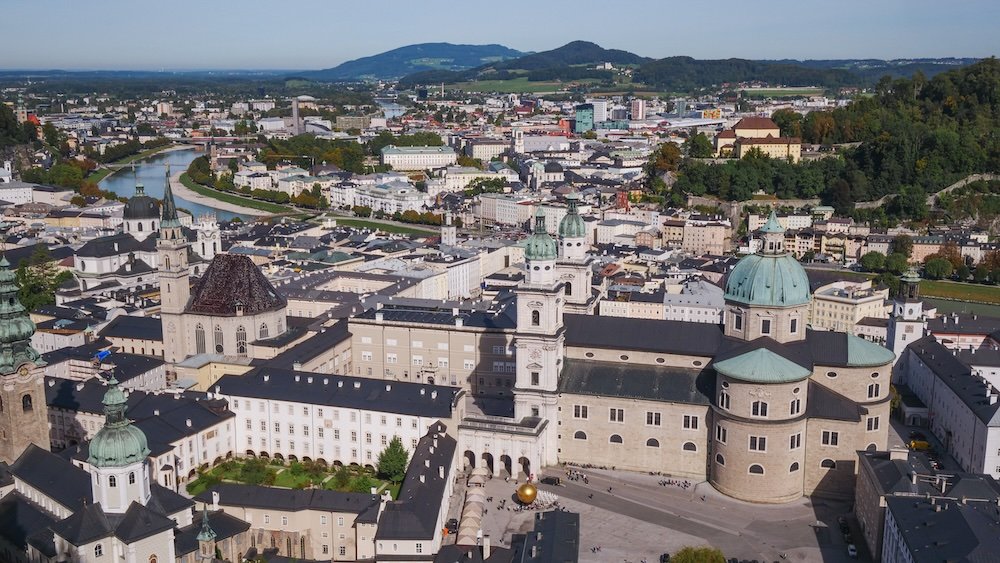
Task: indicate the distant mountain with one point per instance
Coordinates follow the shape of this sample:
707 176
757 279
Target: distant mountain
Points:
572 61
415 58
684 74
874 69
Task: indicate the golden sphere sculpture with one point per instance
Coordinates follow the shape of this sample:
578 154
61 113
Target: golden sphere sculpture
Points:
526 493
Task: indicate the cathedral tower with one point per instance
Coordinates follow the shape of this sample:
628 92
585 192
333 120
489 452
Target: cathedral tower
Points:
23 411
175 289
574 266
906 323
118 455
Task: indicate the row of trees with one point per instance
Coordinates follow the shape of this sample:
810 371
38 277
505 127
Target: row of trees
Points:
408 216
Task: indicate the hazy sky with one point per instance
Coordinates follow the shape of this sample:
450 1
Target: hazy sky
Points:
312 34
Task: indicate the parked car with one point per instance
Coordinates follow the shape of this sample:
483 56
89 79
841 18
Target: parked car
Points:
920 445
452 526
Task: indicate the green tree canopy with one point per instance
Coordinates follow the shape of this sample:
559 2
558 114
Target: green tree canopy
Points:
903 244
873 262
897 263
698 146
698 555
392 461
938 268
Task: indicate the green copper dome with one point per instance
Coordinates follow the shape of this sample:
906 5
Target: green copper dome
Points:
118 443
770 278
540 246
572 225
16 327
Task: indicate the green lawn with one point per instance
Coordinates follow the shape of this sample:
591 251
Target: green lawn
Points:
293 476
101 173
386 227
961 291
232 198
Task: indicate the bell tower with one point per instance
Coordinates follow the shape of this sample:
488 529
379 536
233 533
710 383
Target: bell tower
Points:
175 289
23 411
906 323
540 336
574 265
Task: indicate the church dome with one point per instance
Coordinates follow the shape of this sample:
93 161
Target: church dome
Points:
141 206
540 245
770 278
16 326
572 225
118 443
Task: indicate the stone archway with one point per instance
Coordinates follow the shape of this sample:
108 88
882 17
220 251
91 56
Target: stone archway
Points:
470 460
488 462
506 466
524 466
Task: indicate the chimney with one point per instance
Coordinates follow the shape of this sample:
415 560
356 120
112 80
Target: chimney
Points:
378 317
440 472
297 366
388 387
357 385
434 394
156 412
297 379
215 500
267 378
486 547
188 422
422 479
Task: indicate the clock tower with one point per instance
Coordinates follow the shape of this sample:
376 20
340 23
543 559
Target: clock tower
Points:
540 337
175 289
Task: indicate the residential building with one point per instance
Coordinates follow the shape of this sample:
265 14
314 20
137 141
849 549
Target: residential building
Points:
840 305
418 158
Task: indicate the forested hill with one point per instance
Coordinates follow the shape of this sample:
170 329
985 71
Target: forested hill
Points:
684 74
416 58
917 136
572 61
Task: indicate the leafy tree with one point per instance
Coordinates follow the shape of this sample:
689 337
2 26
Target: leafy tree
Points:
789 122
464 160
698 146
950 252
363 484
981 275
903 244
873 262
888 280
362 210
51 134
897 263
938 268
78 200
963 273
38 279
392 461
698 555
665 158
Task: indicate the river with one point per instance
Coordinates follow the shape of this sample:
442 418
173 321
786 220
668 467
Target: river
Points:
391 109
150 172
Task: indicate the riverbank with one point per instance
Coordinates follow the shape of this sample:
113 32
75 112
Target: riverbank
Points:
187 191
103 171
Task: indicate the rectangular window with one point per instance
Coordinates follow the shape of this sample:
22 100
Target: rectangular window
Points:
390 358
305 430
872 423
469 364
617 415
319 431
277 427
830 438
795 441
366 356
534 378
284 520
354 436
738 321
794 328
690 422
420 547
765 326
499 350
418 360
652 418
342 550
758 443
580 411
720 433
795 407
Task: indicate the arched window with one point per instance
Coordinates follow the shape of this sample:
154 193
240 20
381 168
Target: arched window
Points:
690 447
263 331
828 464
288 546
652 443
873 390
131 478
98 550
724 400
758 408
615 439
568 288
152 559
719 459
199 338
26 403
871 448
140 226
793 467
166 262
580 435
112 481
302 547
1 404
756 469
241 341
536 318
219 343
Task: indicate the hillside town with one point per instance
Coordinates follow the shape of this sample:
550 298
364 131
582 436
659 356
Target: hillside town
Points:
422 324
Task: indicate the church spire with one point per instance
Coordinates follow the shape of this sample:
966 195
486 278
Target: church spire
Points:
206 538
168 217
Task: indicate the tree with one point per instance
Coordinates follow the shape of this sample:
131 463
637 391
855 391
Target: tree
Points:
78 200
39 279
363 484
950 252
962 273
698 555
897 263
698 146
903 244
665 159
938 268
392 461
981 275
873 262
51 134
341 478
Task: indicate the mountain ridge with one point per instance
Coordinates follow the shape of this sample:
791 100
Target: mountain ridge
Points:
418 57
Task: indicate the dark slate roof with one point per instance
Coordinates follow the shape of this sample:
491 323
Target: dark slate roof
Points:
969 388
654 383
16 255
140 522
555 537
963 323
128 326
115 245
166 501
621 333
232 279
981 357
824 403
501 318
325 339
19 519
947 530
294 500
413 515
224 526
58 478
452 553
415 399
85 525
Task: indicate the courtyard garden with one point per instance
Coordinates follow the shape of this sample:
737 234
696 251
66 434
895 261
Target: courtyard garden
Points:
294 475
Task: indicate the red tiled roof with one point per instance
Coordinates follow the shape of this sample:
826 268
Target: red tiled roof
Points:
755 123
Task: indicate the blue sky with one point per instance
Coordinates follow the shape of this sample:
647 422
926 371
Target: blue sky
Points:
312 34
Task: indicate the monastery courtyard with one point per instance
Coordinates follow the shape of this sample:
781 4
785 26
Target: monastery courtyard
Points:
640 520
